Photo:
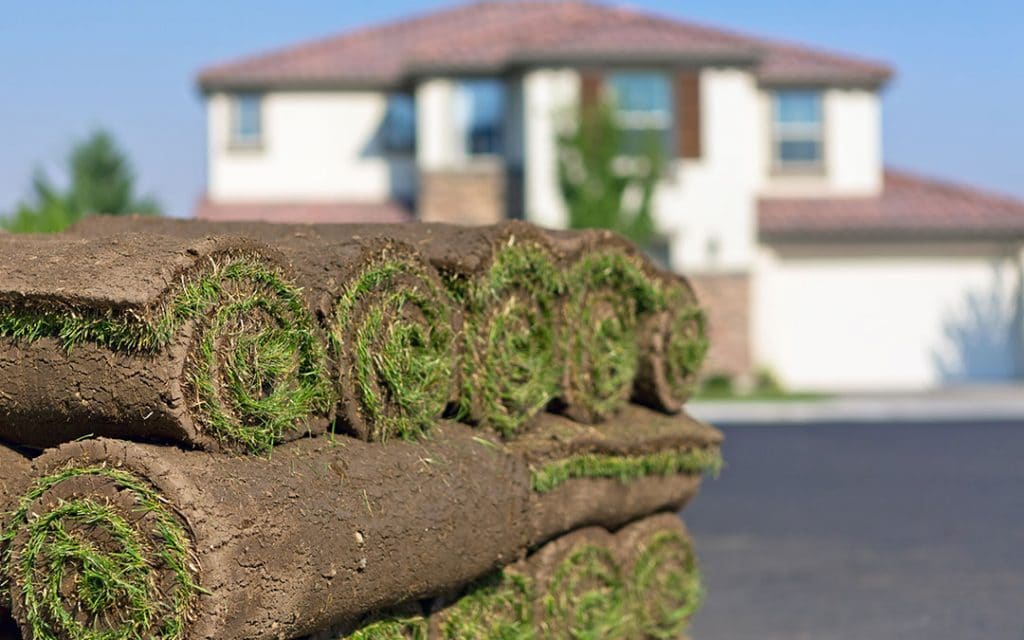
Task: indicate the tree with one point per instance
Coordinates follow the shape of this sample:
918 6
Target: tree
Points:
101 180
598 181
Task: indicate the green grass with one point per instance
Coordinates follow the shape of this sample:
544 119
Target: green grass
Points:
499 607
400 339
510 370
413 628
666 586
687 343
111 557
607 292
258 368
586 598
625 468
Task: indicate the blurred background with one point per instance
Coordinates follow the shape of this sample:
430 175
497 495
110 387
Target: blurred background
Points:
840 181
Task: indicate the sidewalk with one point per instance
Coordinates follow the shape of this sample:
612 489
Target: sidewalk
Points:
983 403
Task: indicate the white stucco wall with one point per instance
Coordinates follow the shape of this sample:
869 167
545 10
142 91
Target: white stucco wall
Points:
852 119
437 145
887 317
316 146
707 206
549 96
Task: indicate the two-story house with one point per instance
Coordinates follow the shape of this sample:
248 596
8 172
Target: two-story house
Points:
817 263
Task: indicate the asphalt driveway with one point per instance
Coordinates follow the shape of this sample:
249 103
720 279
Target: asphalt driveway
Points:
864 532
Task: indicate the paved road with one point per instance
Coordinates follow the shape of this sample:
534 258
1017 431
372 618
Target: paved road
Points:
879 532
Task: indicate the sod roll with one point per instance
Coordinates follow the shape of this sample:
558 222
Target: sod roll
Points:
207 342
392 327
119 539
503 277
673 345
656 555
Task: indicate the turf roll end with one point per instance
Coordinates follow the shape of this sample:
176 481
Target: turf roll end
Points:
608 291
510 370
585 596
393 333
499 606
94 552
257 367
673 346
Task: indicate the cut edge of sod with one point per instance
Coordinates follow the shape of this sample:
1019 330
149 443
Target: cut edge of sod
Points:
608 292
392 628
593 613
402 369
666 587
498 606
548 476
113 577
510 370
288 350
687 343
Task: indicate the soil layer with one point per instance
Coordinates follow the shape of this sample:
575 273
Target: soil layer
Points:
392 326
204 342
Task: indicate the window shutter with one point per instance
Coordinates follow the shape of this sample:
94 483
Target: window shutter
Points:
591 86
687 114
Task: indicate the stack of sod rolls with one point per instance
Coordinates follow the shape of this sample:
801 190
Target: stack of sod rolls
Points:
413 431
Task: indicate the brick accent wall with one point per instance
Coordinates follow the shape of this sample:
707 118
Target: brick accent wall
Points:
473 195
726 299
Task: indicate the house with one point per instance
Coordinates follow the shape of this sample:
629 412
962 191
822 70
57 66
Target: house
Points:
817 262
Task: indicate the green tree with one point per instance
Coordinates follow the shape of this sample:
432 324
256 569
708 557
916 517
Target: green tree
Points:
595 176
101 180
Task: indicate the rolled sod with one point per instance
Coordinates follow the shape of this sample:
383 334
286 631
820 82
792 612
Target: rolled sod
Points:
673 345
583 589
656 554
206 342
392 326
498 606
119 539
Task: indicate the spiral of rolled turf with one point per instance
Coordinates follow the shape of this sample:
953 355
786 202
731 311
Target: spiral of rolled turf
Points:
499 606
673 346
608 291
510 369
394 337
666 585
586 596
257 368
94 553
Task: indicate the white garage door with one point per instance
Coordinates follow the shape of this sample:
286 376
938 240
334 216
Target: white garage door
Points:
887 317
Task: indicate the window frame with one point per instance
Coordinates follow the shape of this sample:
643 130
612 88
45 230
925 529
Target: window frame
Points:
236 139
661 122
464 114
388 143
798 132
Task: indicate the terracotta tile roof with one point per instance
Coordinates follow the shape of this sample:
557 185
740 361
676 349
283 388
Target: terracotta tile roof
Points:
909 205
303 212
491 36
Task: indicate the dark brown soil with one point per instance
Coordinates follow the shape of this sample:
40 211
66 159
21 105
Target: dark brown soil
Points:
322 533
326 531
54 392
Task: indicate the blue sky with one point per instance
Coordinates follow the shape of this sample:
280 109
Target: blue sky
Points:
954 110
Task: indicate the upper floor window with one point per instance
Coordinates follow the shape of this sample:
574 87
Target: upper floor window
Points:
399 129
480 116
247 120
643 110
798 133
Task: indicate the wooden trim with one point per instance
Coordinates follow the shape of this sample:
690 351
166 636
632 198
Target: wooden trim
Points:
591 90
688 115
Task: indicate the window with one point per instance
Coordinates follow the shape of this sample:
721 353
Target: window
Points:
480 116
399 130
247 120
798 132
643 109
